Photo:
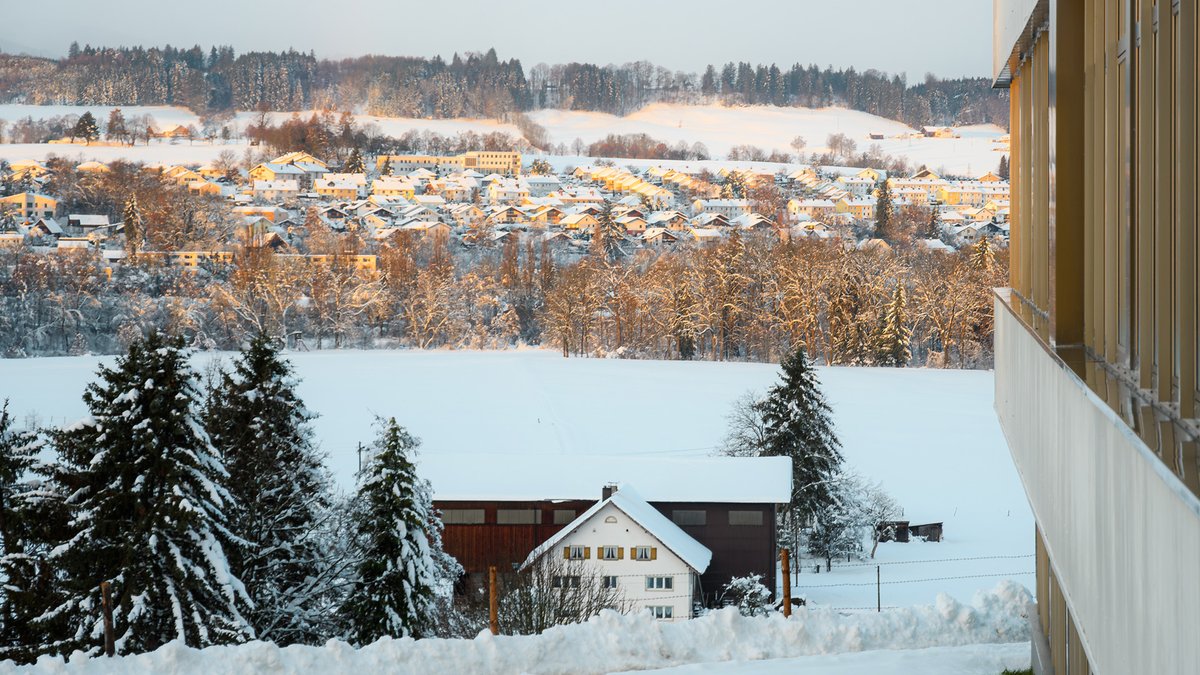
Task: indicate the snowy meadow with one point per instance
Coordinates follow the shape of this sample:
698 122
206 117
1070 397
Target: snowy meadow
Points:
930 436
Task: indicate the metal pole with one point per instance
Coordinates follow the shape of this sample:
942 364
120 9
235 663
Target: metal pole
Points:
787 582
878 594
493 613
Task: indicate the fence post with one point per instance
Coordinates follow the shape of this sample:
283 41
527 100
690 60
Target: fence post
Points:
106 606
878 593
787 582
493 613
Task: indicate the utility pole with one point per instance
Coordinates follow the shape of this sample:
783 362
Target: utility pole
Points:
787 582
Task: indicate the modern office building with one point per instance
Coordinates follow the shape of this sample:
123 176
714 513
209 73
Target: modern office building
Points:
1096 340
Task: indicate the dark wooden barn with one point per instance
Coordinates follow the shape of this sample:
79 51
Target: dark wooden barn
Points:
498 508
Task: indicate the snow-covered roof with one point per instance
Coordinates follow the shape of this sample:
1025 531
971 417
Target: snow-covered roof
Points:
533 477
628 501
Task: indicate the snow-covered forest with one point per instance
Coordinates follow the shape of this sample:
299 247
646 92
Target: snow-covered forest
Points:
744 299
470 85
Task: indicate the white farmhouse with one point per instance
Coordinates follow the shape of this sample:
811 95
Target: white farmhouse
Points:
626 544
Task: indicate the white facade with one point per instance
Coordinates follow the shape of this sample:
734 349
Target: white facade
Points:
626 544
641 582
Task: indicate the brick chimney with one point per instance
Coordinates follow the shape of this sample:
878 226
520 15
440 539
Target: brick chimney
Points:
607 491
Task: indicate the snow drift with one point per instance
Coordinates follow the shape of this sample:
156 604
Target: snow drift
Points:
609 642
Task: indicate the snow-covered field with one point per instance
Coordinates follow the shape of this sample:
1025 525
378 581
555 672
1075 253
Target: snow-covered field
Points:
995 622
718 127
930 436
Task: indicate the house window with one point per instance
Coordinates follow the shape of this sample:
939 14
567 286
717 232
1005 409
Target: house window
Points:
660 583
686 517
462 516
609 582
745 517
563 516
645 553
576 553
661 611
517 516
565 582
610 553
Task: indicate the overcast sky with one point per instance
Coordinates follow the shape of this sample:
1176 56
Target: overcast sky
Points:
949 38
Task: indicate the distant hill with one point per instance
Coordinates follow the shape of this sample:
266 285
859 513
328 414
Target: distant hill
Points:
471 85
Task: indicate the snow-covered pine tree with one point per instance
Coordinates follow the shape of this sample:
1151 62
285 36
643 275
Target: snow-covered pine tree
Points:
895 334
608 234
148 505
27 517
848 327
281 492
393 594
86 128
132 217
983 256
883 213
933 230
799 424
355 163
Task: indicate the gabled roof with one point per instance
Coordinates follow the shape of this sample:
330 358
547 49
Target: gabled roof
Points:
626 499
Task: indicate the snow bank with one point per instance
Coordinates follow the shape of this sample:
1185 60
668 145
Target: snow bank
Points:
966 660
607 643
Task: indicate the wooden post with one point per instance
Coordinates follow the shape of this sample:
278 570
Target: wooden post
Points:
493 613
878 593
106 605
787 582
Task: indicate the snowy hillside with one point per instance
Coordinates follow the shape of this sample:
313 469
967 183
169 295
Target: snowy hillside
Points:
930 436
614 642
718 127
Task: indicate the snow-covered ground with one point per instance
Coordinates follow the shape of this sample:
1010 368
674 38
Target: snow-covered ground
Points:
613 642
989 659
930 436
718 127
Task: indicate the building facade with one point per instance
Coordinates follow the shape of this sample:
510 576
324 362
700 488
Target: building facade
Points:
1096 340
507 505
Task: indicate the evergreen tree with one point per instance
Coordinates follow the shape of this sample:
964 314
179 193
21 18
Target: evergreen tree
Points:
540 167
386 169
983 256
884 213
835 524
934 229
86 128
849 337
281 492
394 593
148 504
27 519
132 217
608 234
116 130
895 335
1002 171
798 423
355 163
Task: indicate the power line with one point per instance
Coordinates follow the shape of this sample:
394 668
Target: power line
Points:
919 581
